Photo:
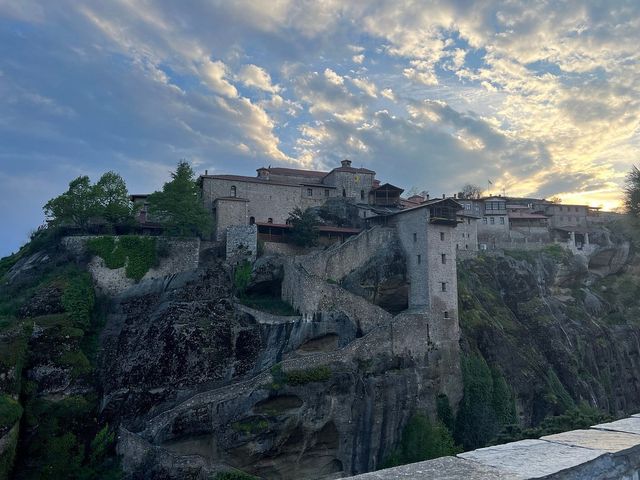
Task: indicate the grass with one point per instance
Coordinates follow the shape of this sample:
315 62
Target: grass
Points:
268 303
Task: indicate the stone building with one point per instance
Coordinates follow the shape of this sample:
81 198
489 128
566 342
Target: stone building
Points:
427 235
494 226
274 193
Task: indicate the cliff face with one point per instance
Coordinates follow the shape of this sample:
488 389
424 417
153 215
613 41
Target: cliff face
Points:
195 382
560 333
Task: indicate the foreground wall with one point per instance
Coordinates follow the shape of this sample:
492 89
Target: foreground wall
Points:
603 452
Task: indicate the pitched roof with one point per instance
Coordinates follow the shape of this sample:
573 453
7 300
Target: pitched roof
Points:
297 172
243 178
353 170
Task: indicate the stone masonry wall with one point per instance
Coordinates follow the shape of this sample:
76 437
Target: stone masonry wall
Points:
183 256
309 295
242 241
604 452
341 259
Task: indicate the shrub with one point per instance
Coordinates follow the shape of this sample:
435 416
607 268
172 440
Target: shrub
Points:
77 361
421 440
78 299
241 277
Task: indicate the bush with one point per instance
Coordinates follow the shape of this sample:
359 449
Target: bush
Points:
253 426
241 277
10 411
421 440
78 299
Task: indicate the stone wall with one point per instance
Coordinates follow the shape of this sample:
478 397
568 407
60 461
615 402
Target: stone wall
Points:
229 211
310 294
242 242
604 452
466 235
183 255
279 248
341 259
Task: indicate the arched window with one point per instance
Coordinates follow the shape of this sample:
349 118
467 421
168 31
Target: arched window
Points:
252 220
270 220
233 191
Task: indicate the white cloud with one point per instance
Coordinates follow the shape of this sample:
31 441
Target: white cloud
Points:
256 77
214 74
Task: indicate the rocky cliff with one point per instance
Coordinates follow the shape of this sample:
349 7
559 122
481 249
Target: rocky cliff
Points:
197 377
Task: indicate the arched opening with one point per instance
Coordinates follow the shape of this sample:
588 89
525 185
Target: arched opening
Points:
233 191
252 220
270 220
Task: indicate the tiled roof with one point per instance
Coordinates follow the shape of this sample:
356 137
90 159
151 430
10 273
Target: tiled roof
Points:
242 178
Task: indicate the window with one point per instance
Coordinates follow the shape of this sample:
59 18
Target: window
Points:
270 220
344 192
444 286
419 259
484 220
446 314
233 190
466 247
415 237
492 220
467 206
252 220
361 194
442 236
468 221
326 192
443 257
457 246
309 192
501 220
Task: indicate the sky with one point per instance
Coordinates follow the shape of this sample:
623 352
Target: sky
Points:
542 98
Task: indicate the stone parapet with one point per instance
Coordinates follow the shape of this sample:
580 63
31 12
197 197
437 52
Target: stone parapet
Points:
604 452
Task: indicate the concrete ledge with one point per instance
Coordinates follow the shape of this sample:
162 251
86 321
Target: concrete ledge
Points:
604 452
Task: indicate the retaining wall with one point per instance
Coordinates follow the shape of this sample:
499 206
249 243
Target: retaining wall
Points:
604 452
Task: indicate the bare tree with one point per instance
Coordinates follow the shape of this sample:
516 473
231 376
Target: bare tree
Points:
470 191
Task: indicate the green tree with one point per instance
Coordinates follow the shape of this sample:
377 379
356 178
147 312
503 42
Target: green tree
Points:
112 199
304 231
75 206
421 440
632 192
178 207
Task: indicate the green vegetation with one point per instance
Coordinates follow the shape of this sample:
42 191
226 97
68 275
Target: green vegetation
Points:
421 440
486 407
241 277
304 231
10 411
178 207
445 413
268 303
107 201
251 426
234 476
8 455
298 377
78 299
136 253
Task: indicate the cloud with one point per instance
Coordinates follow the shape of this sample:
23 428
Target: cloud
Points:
256 77
214 74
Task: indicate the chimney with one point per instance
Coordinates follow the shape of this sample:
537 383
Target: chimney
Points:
454 195
443 195
206 172
346 162
263 173
427 196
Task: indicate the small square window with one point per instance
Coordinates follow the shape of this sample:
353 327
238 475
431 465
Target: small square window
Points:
484 220
501 220
446 314
443 257
442 236
492 221
419 259
444 286
309 192
326 192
